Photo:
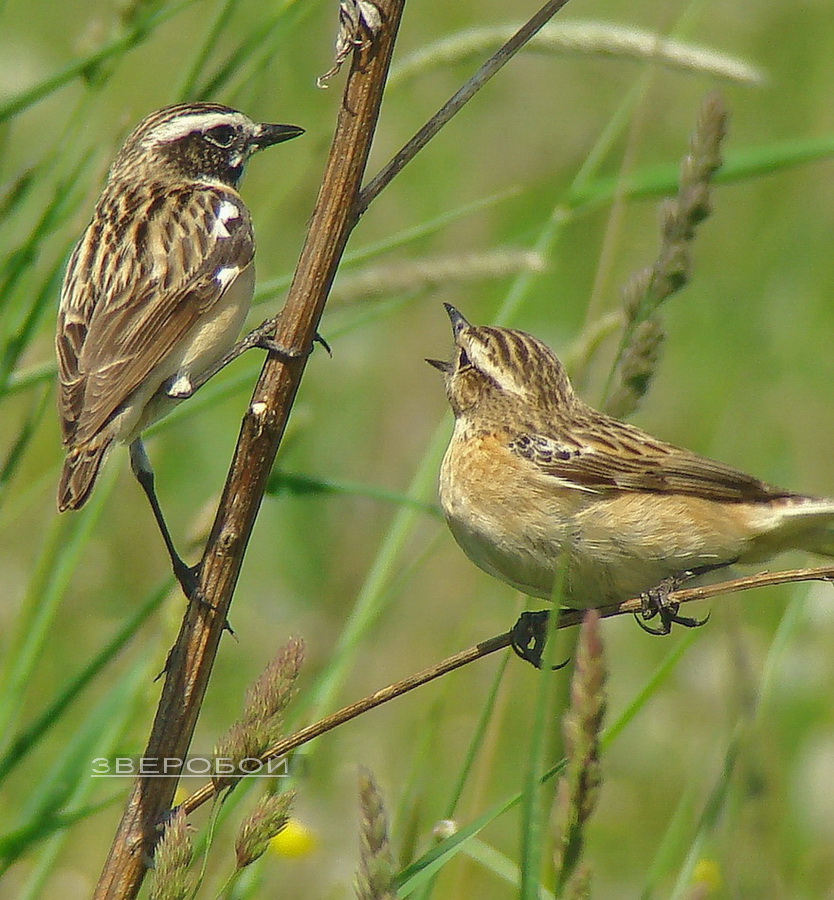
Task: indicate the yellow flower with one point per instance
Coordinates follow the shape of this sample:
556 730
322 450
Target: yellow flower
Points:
294 840
707 873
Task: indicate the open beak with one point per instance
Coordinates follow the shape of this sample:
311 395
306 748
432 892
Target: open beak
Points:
456 318
275 134
458 324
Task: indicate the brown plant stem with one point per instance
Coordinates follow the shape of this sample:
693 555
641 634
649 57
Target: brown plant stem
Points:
336 212
568 618
192 657
338 208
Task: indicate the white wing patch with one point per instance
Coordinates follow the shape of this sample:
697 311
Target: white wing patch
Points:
179 387
225 213
226 276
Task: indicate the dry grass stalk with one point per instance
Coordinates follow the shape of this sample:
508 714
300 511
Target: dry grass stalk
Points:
433 273
643 295
375 876
267 819
579 788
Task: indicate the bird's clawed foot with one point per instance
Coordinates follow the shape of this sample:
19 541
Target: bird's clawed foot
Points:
262 337
188 578
529 635
318 339
655 602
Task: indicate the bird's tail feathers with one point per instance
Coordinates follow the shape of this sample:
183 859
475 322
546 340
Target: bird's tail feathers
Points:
812 523
80 471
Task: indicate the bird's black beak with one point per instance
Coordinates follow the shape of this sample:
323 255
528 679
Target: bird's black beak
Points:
457 320
458 324
274 134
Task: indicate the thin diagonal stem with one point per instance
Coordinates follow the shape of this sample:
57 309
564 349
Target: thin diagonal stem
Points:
568 618
503 55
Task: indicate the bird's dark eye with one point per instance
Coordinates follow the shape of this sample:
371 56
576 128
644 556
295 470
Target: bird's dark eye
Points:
463 359
221 135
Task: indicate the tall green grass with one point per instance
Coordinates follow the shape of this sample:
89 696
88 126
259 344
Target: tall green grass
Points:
564 155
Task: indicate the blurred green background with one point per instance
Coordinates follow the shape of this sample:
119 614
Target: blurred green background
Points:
378 588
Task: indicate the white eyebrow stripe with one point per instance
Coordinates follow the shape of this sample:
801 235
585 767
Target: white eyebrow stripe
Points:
505 376
183 125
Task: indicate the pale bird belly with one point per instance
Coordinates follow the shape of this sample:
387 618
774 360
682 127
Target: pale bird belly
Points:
207 341
628 543
215 334
504 525
617 546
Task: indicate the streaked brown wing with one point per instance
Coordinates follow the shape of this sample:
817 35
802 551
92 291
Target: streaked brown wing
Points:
606 455
123 312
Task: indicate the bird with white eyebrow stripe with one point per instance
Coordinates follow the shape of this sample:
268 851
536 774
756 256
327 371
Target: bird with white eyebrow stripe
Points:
156 290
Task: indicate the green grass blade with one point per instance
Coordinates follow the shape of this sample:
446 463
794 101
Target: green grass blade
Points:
296 485
62 791
23 379
213 37
29 737
136 35
649 689
534 803
420 872
499 864
474 748
739 165
269 290
478 736
20 326
717 801
17 192
22 441
375 590
14 844
263 36
16 344
66 540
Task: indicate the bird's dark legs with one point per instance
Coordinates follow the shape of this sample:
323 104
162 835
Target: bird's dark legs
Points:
655 602
529 635
141 465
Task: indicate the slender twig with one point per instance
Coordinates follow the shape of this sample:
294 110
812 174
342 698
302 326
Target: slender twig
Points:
452 106
568 618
